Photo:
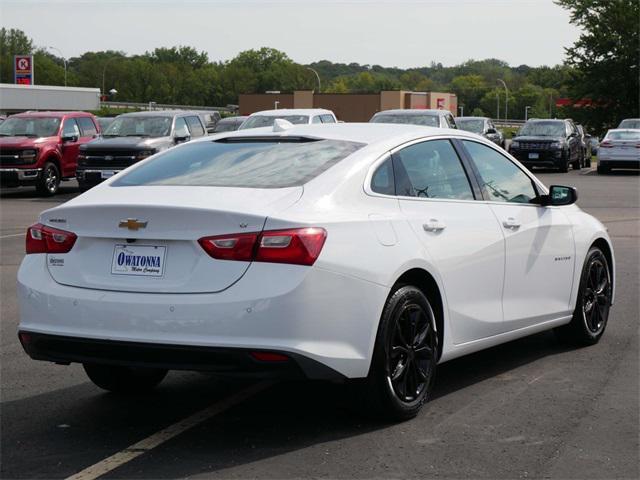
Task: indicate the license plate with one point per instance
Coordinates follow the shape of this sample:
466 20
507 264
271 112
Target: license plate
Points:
534 156
107 173
139 260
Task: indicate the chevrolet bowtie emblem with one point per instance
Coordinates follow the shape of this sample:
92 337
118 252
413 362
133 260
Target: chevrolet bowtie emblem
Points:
132 224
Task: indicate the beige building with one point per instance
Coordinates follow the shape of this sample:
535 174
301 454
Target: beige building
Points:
349 107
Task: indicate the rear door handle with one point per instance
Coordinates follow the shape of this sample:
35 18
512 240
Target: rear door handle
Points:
434 225
511 223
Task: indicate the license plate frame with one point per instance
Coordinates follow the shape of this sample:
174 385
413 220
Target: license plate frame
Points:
139 260
104 174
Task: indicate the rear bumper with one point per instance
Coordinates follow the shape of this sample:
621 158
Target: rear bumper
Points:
225 361
16 177
313 313
618 163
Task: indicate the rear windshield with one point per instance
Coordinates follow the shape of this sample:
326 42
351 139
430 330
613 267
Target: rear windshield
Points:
623 135
425 120
241 163
470 125
258 121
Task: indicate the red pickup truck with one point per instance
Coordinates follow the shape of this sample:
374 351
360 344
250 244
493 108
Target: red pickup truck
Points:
41 148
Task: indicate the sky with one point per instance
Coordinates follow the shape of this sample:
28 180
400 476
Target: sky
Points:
401 33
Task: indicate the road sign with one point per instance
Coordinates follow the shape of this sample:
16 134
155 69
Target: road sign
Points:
23 69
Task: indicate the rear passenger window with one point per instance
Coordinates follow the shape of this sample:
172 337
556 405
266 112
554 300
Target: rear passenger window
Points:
316 119
195 127
431 169
87 127
383 180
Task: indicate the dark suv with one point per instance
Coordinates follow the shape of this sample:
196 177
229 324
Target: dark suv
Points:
548 143
132 137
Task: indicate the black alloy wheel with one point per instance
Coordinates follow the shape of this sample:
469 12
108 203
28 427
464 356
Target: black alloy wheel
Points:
404 360
411 352
591 314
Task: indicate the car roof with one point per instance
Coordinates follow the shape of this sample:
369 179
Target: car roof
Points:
293 111
472 118
375 134
414 111
53 114
159 113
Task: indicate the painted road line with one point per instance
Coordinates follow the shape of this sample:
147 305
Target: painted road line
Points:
12 235
120 458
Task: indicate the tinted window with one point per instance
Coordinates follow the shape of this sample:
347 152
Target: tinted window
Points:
502 180
195 126
87 126
70 127
328 119
431 170
181 129
238 163
383 180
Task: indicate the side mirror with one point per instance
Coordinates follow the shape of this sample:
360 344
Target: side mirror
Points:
491 131
70 137
181 138
559 195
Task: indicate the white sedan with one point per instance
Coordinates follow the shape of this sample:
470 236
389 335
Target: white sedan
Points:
345 251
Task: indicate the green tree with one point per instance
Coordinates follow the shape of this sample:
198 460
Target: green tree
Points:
605 59
469 89
12 42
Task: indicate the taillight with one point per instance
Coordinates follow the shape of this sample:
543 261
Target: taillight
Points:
606 145
44 239
299 246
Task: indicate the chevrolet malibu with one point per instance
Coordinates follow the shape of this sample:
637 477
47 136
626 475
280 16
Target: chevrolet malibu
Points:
356 252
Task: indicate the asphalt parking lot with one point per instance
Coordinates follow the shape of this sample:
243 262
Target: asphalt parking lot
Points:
531 408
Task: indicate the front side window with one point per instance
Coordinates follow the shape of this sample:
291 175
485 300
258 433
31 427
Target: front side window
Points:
316 119
327 118
29 127
450 121
501 179
181 130
431 169
241 163
70 128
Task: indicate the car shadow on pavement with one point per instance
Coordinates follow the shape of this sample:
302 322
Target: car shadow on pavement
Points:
62 432
64 193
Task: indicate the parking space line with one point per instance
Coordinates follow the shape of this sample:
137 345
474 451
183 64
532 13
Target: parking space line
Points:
126 455
12 235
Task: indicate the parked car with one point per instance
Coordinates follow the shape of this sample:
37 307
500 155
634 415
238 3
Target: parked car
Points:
132 137
296 116
360 252
633 123
620 148
229 124
585 158
427 118
595 143
549 144
41 148
210 119
482 126
105 122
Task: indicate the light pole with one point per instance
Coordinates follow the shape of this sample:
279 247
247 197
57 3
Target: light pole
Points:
498 107
64 60
461 107
526 112
104 71
506 99
317 76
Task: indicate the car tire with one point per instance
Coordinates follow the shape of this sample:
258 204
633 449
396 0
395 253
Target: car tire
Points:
603 170
49 180
577 165
593 303
564 168
402 371
120 379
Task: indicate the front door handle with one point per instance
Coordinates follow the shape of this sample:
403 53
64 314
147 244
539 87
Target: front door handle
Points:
434 225
511 223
